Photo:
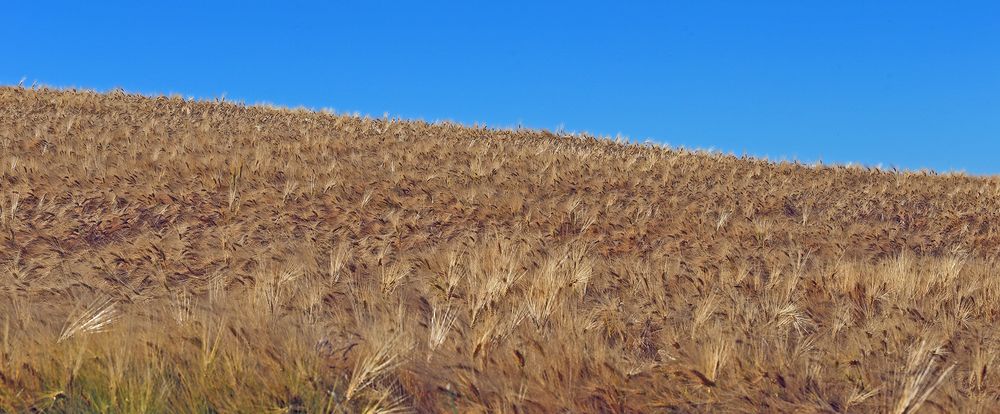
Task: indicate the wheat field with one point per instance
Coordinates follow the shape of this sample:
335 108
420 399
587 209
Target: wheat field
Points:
162 254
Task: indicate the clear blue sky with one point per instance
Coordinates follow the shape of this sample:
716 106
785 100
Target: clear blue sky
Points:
900 83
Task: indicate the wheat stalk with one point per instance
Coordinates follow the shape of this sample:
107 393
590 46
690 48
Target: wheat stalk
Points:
94 318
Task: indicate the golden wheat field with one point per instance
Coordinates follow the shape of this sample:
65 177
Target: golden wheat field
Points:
160 254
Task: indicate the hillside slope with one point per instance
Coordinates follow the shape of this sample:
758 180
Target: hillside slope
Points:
160 254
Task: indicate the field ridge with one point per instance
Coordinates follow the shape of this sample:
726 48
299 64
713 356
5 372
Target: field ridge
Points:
167 255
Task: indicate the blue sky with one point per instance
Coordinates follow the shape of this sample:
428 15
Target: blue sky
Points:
913 84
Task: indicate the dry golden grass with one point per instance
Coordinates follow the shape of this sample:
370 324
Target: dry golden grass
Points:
167 255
